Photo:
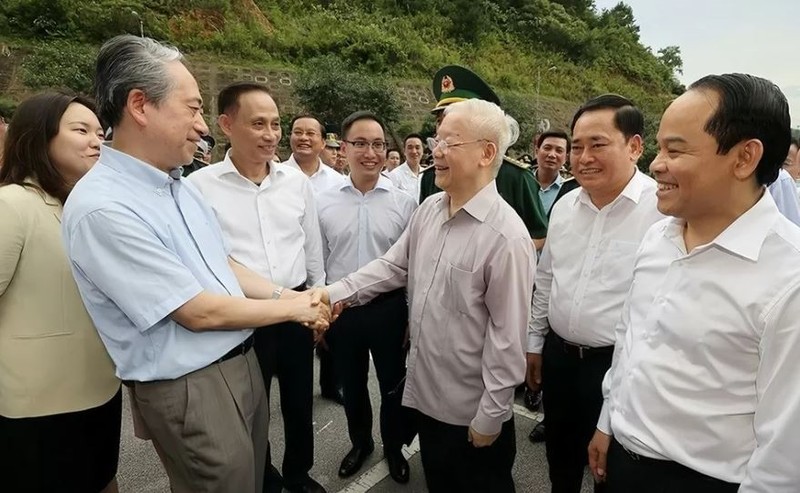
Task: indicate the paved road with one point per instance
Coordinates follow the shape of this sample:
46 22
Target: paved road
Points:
141 472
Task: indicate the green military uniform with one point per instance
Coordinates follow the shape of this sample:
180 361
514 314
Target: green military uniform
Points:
515 180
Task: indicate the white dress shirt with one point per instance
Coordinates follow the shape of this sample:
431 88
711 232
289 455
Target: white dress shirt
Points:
324 178
358 228
405 179
706 368
784 193
272 228
586 265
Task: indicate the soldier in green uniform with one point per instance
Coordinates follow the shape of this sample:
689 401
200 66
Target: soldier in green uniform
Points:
515 180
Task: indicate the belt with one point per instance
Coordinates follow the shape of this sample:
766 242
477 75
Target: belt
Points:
238 350
578 351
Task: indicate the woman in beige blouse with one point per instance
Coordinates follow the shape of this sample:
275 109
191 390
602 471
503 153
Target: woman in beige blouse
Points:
60 403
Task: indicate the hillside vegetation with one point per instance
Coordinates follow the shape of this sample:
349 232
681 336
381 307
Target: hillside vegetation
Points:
564 49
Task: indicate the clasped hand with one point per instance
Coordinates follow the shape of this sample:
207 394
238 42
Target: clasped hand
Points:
315 311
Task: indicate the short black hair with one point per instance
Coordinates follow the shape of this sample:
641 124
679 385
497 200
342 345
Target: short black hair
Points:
312 117
627 118
358 116
750 108
413 136
558 134
228 98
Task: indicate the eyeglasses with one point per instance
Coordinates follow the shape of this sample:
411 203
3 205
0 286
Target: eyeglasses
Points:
433 144
361 145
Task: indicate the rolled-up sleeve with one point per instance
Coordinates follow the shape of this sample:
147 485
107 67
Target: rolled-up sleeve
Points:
510 277
122 257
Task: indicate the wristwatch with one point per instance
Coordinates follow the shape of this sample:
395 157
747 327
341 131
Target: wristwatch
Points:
277 293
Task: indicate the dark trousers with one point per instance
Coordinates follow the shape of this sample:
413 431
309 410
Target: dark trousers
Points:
572 399
328 380
287 351
379 328
451 463
631 473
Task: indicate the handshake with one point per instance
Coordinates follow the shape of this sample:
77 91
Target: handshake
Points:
313 309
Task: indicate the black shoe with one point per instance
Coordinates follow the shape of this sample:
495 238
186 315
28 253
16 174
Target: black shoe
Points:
335 395
308 485
537 434
398 467
533 399
354 459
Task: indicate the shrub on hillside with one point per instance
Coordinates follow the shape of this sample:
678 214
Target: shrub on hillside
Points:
330 89
61 65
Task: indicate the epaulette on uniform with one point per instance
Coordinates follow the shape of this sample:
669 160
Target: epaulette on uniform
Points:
516 162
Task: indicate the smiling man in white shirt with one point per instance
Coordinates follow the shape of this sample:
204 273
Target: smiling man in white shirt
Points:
269 217
360 220
703 394
406 176
307 141
583 276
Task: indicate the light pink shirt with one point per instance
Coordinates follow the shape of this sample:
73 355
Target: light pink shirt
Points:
470 281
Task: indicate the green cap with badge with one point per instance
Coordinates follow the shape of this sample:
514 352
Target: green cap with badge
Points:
454 83
332 140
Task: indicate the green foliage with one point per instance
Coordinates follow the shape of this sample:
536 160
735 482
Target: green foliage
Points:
37 18
650 144
7 108
330 89
62 65
513 44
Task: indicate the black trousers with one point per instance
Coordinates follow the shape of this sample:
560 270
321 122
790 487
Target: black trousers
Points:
451 463
287 351
328 380
630 473
379 328
572 399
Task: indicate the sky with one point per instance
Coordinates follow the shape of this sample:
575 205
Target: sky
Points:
759 37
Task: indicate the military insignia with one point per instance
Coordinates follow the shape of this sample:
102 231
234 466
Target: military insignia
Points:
516 162
447 84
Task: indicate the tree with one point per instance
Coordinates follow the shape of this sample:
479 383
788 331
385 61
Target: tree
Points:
330 89
620 15
671 57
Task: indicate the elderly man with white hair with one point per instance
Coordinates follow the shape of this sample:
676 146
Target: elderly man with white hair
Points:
468 263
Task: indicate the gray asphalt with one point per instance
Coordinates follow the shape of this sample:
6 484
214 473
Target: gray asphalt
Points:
141 472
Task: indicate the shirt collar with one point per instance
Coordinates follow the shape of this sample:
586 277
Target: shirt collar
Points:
320 170
743 237
556 183
479 205
132 167
384 183
226 167
632 191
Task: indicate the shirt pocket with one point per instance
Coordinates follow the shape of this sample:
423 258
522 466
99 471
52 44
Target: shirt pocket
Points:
616 270
464 289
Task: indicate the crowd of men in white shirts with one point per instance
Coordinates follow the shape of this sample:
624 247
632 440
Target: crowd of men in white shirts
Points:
660 318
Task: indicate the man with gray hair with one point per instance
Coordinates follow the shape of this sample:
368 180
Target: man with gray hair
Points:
173 310
468 263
